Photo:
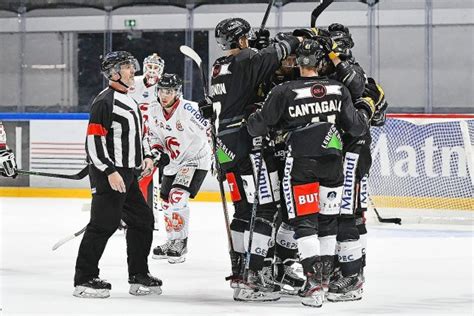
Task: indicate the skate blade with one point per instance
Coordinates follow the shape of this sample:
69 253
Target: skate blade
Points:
246 295
347 297
87 292
312 302
159 257
174 260
287 289
141 290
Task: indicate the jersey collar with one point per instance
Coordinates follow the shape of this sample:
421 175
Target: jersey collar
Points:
173 109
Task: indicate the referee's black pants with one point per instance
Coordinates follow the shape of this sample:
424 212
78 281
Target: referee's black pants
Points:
108 208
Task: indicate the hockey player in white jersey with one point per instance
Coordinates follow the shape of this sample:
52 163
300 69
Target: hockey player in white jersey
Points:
144 93
7 158
177 130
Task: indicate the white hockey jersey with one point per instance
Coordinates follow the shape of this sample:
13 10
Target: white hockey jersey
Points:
144 95
183 135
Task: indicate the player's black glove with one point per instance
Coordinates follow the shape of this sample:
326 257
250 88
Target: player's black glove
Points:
376 93
262 39
8 166
367 105
205 106
160 158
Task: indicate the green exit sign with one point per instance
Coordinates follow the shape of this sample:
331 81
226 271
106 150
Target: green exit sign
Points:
130 23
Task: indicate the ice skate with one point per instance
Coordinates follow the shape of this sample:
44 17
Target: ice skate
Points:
312 293
289 281
95 288
328 273
249 295
261 281
177 252
237 278
144 284
345 289
161 252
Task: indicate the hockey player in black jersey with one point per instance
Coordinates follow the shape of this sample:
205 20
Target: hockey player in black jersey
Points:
313 110
235 80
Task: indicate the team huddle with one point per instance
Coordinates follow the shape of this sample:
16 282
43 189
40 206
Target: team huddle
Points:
286 125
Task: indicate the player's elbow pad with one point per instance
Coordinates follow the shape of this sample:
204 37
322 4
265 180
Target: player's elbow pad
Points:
353 80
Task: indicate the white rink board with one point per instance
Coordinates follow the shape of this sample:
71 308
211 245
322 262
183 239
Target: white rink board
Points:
412 269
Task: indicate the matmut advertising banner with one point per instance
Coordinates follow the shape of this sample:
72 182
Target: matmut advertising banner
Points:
414 159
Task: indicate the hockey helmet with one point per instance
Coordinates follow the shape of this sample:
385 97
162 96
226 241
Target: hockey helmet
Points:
112 61
153 66
341 35
170 82
229 31
310 53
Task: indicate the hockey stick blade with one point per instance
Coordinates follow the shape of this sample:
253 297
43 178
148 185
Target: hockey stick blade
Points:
394 220
318 10
191 53
68 238
188 51
78 176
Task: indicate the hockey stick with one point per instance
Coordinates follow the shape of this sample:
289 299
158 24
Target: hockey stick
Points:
253 215
189 52
267 13
68 238
323 4
393 220
78 176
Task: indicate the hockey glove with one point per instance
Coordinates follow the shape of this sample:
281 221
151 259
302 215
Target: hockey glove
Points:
376 93
8 166
160 158
330 47
205 106
263 39
367 105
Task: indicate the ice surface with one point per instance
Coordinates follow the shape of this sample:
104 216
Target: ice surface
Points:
412 269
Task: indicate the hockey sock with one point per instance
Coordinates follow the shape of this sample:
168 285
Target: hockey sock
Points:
349 255
260 241
309 249
286 244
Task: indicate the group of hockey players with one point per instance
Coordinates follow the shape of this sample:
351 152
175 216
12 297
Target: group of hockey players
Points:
292 116
296 163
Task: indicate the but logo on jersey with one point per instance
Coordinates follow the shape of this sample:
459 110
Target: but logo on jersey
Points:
234 189
306 198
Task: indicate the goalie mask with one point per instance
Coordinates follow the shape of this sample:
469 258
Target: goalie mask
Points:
111 64
229 31
153 67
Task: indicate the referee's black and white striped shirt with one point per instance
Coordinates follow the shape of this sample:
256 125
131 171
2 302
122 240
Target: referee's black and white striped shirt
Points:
115 132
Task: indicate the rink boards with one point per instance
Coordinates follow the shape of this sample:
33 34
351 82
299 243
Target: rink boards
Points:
418 163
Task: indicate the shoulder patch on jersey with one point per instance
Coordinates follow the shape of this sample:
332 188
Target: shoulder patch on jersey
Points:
220 70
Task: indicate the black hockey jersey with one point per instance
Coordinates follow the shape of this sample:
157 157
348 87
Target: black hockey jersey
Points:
299 103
